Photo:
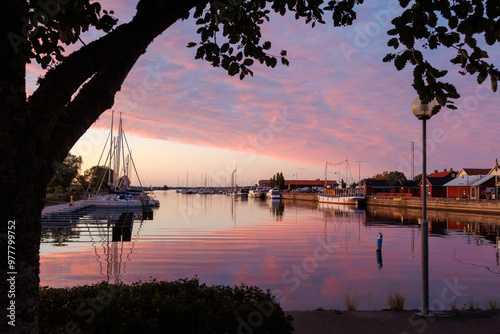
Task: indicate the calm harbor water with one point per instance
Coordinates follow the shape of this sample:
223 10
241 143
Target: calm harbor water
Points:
307 254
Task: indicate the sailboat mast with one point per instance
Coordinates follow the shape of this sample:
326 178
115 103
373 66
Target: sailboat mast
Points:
119 139
326 173
111 148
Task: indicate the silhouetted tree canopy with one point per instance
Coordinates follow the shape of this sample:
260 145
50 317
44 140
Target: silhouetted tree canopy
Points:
385 175
66 172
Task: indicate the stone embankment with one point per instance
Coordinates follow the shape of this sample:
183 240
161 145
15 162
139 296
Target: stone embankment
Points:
300 196
442 204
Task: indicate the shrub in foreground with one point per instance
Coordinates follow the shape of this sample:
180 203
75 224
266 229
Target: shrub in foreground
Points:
182 306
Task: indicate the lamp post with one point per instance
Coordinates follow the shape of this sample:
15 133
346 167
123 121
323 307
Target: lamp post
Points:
424 112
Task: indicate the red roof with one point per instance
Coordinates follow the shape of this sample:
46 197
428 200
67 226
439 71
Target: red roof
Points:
444 173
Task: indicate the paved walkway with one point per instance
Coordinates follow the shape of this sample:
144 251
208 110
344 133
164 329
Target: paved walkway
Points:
391 322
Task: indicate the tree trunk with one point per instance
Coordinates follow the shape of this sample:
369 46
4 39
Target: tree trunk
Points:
22 193
21 204
38 132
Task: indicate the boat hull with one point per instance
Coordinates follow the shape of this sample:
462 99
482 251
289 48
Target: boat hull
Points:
110 201
340 200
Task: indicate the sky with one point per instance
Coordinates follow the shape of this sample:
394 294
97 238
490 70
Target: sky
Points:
187 122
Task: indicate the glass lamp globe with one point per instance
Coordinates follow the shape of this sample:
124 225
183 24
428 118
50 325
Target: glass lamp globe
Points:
422 111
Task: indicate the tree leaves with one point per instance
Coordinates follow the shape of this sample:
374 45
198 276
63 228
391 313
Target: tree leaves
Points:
240 21
456 28
230 31
51 23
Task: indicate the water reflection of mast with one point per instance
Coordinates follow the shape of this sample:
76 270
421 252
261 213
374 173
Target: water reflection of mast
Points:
114 256
233 210
412 240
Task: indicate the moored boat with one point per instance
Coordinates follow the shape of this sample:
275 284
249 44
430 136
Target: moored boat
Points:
120 193
259 192
274 193
350 196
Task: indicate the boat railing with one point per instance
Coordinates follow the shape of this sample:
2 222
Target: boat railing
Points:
349 192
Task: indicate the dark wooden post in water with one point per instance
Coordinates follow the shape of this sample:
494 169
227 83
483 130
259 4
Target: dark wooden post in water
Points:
122 231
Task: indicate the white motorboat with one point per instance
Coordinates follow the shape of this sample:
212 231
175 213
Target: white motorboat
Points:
257 193
274 193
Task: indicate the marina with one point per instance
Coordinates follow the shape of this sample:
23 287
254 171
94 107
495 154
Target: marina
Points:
308 253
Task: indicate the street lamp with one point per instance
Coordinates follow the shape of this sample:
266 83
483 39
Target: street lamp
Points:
424 112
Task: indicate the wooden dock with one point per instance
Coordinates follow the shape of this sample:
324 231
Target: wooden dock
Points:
65 207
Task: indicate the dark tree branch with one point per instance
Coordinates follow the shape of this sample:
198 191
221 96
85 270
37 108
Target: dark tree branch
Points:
62 120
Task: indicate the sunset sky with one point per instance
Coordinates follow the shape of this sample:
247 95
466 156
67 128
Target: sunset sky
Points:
336 100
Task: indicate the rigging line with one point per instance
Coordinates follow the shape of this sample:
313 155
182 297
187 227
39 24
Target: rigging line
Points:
104 171
132 248
133 163
337 164
117 275
95 170
95 247
340 164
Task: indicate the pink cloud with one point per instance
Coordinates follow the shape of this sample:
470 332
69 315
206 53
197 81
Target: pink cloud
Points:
338 105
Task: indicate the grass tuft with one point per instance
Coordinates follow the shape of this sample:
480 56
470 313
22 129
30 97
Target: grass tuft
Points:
350 300
493 304
395 300
471 304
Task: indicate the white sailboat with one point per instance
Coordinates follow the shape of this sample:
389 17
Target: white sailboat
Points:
119 193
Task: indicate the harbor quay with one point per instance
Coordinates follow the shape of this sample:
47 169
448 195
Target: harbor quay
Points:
440 204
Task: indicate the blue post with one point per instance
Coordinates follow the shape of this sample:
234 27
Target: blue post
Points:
379 241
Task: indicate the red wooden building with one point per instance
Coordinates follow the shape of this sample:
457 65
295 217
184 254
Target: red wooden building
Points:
436 186
471 187
390 187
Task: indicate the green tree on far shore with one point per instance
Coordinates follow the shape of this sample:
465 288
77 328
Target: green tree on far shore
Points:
97 177
385 175
277 180
65 173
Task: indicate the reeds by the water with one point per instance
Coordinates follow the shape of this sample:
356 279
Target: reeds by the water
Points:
350 300
493 304
395 300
